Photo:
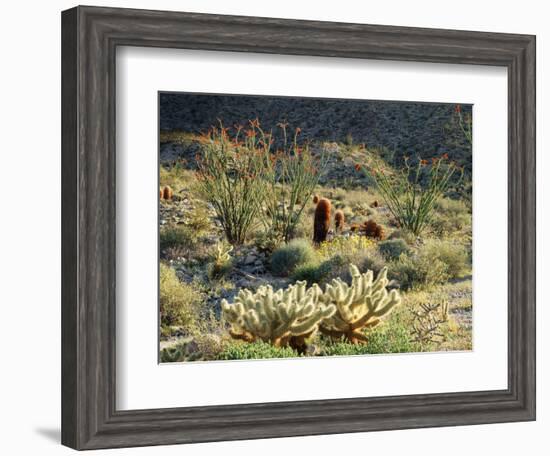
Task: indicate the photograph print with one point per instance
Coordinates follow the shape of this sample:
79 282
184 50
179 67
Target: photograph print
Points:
294 227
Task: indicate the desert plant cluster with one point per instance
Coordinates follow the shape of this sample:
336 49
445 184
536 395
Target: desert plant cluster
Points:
275 245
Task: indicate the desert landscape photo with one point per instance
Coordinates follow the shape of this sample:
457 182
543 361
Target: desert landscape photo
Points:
298 227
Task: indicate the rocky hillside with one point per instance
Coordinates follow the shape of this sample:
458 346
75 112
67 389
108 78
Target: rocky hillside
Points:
403 128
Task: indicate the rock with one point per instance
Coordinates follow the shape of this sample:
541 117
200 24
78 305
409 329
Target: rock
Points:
244 283
393 284
250 259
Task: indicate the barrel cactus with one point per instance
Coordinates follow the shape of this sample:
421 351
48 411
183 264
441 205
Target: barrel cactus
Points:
339 221
321 221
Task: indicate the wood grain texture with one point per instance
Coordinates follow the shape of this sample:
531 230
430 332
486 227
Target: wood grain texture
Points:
89 39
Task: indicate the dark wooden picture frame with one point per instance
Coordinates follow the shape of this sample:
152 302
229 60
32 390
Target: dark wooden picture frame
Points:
90 36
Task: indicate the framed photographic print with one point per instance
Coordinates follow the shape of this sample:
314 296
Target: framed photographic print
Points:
279 228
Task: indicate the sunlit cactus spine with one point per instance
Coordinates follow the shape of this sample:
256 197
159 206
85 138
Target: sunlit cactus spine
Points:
222 260
282 317
359 305
321 221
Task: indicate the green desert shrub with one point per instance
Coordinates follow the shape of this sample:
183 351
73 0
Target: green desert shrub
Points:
435 262
321 272
184 350
310 272
175 177
451 207
394 339
371 260
345 245
256 350
177 236
210 345
454 255
179 302
217 270
337 266
341 251
393 248
400 233
199 220
286 258
417 270
450 216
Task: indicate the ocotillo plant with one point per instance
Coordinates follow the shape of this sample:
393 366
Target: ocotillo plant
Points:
464 122
292 173
230 175
359 306
410 202
321 220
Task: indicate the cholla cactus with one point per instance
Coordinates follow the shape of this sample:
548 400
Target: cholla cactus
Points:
279 317
222 254
427 322
359 306
222 261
